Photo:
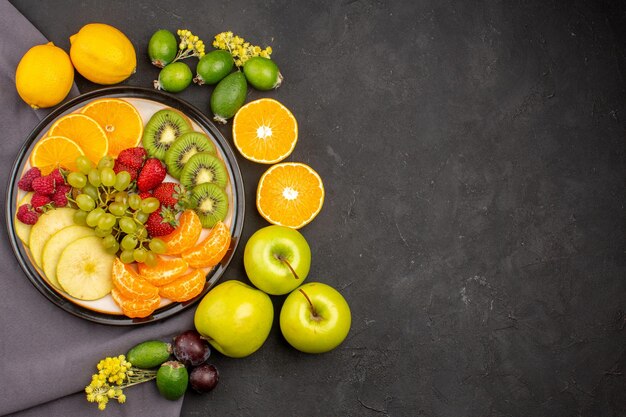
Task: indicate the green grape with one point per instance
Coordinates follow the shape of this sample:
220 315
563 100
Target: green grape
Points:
107 221
141 233
100 232
107 175
149 205
127 225
140 254
129 242
79 217
151 259
122 197
158 246
83 164
91 191
109 241
94 177
122 180
93 217
76 179
117 209
113 249
85 202
127 256
141 217
106 162
134 201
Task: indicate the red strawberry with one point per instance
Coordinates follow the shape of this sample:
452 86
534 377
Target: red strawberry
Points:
145 194
44 185
57 176
26 183
161 222
26 214
171 194
132 157
151 175
39 201
118 167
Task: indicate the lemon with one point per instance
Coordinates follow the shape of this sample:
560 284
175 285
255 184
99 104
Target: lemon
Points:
44 76
102 54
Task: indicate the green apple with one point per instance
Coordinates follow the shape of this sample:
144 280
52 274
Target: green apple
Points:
315 318
235 318
277 259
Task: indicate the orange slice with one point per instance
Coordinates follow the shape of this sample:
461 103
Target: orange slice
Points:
85 131
55 151
135 308
290 194
265 131
131 285
186 234
185 287
211 250
120 120
165 271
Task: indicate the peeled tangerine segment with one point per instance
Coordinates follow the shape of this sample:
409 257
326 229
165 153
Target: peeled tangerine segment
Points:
211 250
134 308
55 246
84 269
186 234
130 284
184 288
47 225
165 271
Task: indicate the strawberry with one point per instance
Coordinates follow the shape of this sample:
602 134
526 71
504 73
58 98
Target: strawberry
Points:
118 167
145 194
44 185
132 157
161 222
39 202
151 175
26 182
26 214
171 194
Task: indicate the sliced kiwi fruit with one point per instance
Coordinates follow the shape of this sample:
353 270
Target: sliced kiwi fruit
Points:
162 130
184 147
210 202
201 168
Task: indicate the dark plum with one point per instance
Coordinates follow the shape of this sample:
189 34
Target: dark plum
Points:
191 349
204 378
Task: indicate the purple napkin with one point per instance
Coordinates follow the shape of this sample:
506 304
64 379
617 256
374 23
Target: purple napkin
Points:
47 355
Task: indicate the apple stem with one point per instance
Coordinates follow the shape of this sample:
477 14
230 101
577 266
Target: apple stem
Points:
286 262
313 310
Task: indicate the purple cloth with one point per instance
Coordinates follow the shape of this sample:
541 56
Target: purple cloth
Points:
47 356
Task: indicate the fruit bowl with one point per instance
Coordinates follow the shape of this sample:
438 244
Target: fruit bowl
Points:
147 102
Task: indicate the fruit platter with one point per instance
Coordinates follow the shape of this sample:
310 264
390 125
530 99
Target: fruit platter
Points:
125 206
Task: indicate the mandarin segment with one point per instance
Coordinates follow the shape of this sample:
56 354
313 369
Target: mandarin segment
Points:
184 288
130 284
85 131
165 271
211 250
186 234
55 151
134 308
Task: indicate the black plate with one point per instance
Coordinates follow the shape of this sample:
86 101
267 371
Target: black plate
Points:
164 99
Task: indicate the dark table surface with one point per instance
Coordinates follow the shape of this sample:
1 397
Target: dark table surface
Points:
473 158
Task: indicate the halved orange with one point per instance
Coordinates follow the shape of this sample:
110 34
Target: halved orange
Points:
85 131
185 287
290 194
165 271
130 284
265 131
135 308
55 151
186 234
120 120
211 250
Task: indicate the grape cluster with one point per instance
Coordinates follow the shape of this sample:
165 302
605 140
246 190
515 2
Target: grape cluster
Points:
106 202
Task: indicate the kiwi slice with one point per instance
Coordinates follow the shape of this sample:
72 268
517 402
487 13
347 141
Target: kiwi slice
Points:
184 147
162 130
204 167
210 202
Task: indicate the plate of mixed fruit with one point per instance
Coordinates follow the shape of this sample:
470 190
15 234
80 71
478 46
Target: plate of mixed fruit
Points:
125 206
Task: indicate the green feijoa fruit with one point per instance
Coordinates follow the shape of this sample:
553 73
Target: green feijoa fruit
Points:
228 96
162 48
262 73
213 67
174 78
149 354
172 379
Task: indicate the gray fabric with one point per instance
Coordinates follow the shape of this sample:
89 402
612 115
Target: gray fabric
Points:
47 355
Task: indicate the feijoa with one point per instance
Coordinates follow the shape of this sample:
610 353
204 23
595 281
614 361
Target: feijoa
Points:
213 67
262 73
172 379
149 354
162 48
228 96
174 78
